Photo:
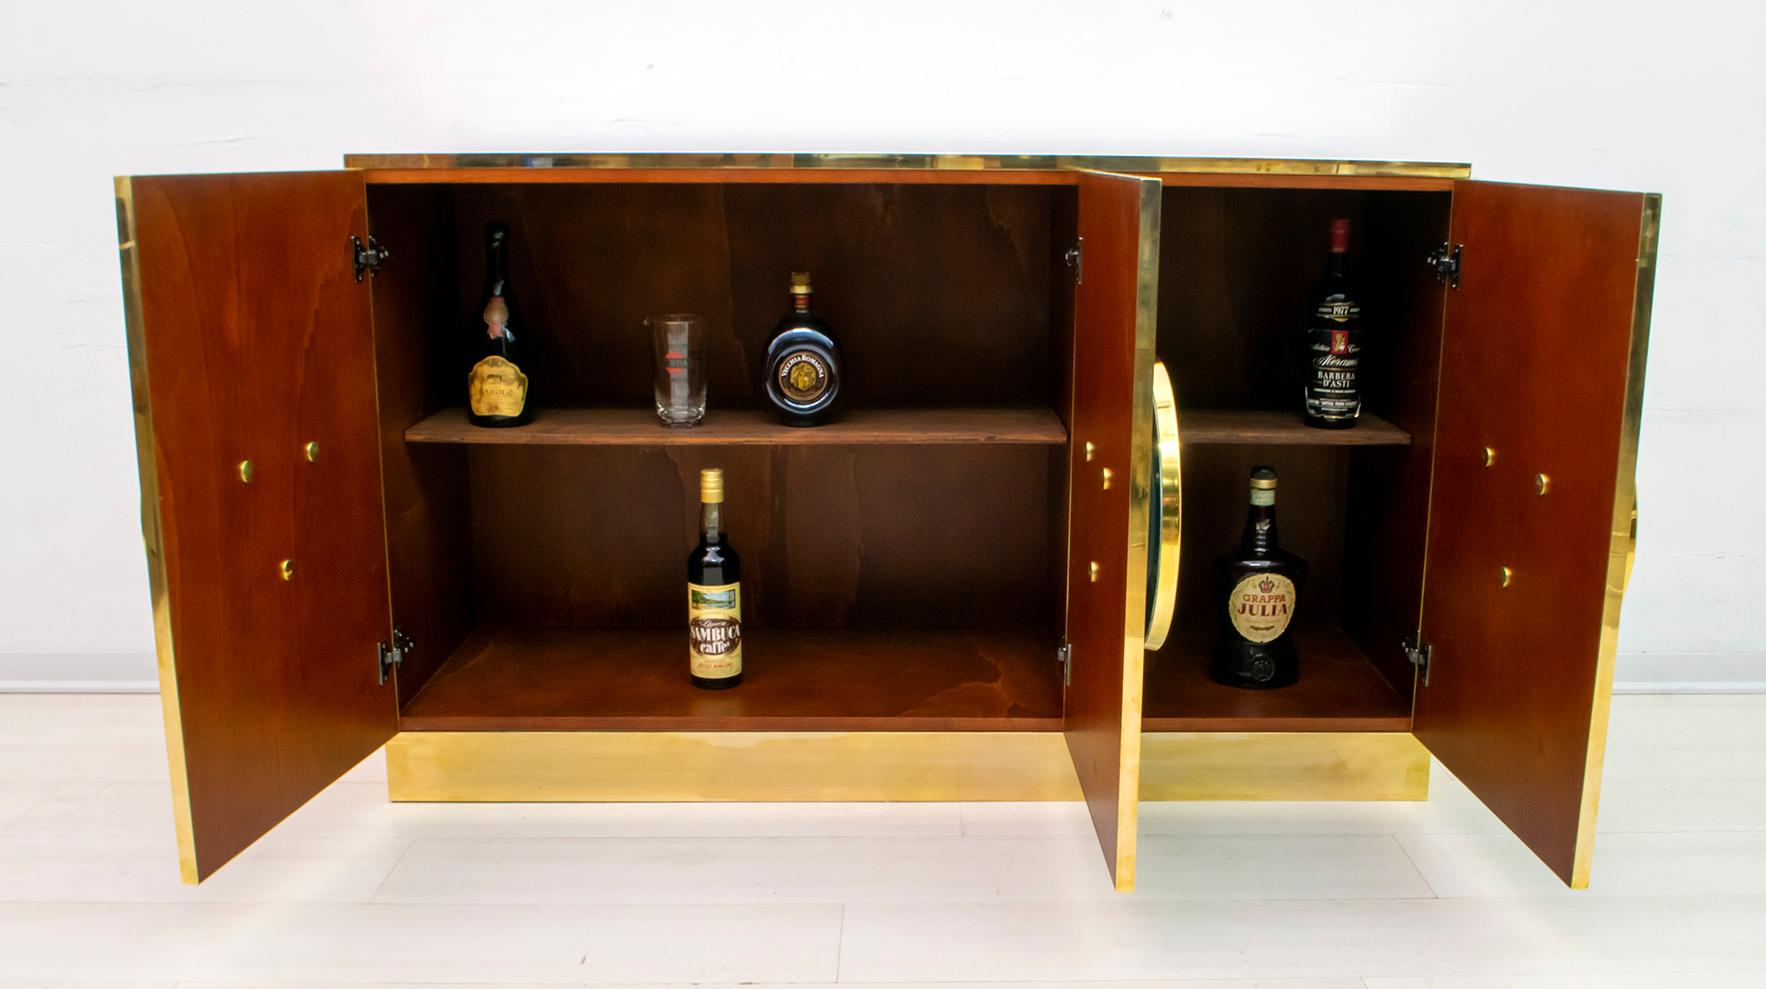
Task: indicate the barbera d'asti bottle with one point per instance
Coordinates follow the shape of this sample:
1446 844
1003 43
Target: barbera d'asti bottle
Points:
1333 342
714 594
802 363
499 342
1259 591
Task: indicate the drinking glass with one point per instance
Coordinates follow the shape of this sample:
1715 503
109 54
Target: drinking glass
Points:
679 345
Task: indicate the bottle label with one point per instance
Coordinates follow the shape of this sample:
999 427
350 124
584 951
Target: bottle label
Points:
803 376
1333 385
1339 311
1261 605
714 630
496 387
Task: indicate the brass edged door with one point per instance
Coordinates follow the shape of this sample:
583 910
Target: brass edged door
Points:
1110 465
1533 506
252 369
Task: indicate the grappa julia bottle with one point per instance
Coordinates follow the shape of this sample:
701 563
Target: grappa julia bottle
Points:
1259 591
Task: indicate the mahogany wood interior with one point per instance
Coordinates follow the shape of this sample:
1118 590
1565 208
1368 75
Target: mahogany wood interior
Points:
935 508
566 679
1283 428
753 427
1339 690
1237 269
830 537
939 294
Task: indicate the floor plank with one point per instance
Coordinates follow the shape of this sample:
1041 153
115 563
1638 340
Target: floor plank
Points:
1145 939
1231 895
278 869
1722 863
340 943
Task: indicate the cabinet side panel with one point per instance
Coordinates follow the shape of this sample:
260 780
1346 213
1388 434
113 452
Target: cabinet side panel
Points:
419 359
1387 509
1063 283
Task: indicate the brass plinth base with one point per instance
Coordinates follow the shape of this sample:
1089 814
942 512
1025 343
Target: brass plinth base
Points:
836 766
690 766
1283 766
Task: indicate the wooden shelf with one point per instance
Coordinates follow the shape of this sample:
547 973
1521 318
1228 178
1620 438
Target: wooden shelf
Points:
1261 428
567 679
1339 690
740 427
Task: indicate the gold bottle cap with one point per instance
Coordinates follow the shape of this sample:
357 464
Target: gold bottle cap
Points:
800 283
1263 478
711 485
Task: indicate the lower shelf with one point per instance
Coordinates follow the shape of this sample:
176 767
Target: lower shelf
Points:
573 679
1339 690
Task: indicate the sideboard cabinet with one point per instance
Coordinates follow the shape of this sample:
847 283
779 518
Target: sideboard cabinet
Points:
988 580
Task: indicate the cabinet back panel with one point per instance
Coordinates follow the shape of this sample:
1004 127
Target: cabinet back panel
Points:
938 295
928 537
1237 268
1309 513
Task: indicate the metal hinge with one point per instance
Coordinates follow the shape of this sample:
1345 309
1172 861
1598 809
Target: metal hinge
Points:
1075 258
1445 261
367 257
1064 656
1419 653
391 656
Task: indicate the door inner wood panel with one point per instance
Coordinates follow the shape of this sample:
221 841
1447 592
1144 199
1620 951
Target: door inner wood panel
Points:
1541 368
1110 483
253 369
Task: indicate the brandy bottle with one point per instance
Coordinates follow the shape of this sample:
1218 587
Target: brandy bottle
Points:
499 342
802 363
1259 592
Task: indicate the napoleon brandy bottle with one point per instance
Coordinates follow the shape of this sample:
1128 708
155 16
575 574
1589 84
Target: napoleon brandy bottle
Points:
714 594
803 365
500 343
1333 342
1259 590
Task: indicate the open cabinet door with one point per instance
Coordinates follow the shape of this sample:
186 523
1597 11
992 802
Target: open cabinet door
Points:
1532 516
1110 479
249 339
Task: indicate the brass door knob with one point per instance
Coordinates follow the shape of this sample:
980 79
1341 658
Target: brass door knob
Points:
245 471
286 569
1505 576
311 452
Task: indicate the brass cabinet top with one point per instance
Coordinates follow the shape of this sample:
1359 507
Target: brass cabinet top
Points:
943 162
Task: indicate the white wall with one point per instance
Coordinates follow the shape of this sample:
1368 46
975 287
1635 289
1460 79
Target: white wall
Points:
1655 96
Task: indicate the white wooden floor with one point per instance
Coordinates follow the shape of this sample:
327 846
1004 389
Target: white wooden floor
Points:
359 892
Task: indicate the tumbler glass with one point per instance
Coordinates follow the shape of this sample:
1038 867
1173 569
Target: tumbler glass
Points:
679 346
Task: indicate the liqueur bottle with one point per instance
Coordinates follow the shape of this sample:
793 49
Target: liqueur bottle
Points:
1333 342
802 363
500 343
714 594
1259 590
